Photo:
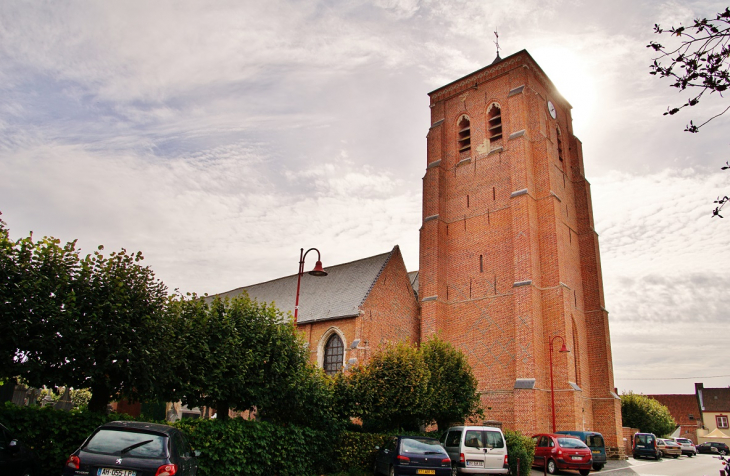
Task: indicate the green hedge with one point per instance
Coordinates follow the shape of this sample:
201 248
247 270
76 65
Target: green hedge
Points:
519 447
357 450
234 447
52 434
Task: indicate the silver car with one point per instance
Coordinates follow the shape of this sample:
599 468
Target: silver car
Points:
688 448
476 450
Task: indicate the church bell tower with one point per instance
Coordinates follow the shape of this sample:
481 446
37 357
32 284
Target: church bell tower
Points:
509 258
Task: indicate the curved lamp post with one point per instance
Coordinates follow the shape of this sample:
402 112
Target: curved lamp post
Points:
317 271
563 350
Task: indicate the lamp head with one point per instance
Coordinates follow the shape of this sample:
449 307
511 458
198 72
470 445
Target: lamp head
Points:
318 270
563 349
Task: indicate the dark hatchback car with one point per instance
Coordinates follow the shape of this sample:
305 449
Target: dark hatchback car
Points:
412 455
126 448
16 459
595 443
713 447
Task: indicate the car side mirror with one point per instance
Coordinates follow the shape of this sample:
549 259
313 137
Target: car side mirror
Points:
196 453
377 447
13 446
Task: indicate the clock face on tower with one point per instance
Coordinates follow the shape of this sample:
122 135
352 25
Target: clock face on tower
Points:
551 109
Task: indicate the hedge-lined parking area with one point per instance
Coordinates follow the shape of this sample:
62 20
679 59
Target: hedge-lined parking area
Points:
236 446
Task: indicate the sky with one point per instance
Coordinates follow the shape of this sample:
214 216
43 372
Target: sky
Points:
220 137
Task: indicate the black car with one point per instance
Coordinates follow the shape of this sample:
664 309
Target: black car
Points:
16 459
412 455
129 448
712 447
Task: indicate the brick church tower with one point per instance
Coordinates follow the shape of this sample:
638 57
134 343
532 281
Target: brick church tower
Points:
509 257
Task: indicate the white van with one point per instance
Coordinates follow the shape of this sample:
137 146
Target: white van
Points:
476 450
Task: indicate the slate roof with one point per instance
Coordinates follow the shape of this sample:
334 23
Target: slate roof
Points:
681 406
413 278
715 399
337 295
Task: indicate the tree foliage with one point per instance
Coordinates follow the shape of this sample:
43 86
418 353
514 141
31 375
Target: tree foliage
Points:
240 354
392 389
452 386
96 322
700 62
646 414
402 388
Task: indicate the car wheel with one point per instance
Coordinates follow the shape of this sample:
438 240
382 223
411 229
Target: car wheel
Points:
551 467
675 456
658 455
584 472
722 452
392 471
597 467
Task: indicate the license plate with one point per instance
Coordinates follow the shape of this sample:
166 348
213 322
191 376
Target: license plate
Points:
426 471
596 452
475 463
115 472
577 457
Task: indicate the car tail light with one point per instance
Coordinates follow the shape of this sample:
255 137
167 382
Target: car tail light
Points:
73 462
446 462
461 458
506 462
166 470
403 459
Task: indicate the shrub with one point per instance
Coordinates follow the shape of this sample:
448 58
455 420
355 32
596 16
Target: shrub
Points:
357 450
52 434
519 447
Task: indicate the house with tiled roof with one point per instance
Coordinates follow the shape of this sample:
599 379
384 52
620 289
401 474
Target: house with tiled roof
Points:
348 313
714 404
685 411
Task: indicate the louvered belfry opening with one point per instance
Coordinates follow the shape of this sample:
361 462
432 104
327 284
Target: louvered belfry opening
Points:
494 122
464 127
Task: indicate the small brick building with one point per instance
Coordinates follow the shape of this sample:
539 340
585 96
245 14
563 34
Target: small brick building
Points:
685 411
509 261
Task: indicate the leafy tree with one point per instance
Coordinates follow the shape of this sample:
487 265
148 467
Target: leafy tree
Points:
96 322
392 389
240 354
700 62
453 390
646 414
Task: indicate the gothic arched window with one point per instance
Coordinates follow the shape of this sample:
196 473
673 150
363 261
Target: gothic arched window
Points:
464 127
494 122
334 352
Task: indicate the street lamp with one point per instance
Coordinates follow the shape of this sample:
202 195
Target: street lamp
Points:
563 349
317 271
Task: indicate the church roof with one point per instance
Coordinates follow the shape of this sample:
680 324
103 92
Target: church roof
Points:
337 295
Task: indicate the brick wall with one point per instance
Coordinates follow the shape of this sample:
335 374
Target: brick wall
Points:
509 258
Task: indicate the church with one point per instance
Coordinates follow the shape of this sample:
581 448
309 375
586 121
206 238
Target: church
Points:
509 268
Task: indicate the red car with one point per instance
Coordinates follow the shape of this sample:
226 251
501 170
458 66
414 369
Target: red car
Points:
559 452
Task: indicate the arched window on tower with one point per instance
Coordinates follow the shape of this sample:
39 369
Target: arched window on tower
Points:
464 140
494 122
334 353
560 144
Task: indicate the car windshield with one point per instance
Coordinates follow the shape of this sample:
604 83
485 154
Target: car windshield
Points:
129 443
421 446
571 443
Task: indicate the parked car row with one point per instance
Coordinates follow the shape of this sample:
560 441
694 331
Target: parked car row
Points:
483 450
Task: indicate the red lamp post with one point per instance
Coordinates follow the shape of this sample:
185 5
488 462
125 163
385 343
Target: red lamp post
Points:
563 349
317 271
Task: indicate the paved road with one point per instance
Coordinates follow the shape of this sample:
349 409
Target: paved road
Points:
700 465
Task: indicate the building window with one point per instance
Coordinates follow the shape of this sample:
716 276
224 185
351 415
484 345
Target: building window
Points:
464 141
494 122
334 352
721 421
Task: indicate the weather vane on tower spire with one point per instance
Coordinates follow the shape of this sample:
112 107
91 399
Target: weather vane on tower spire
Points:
497 59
